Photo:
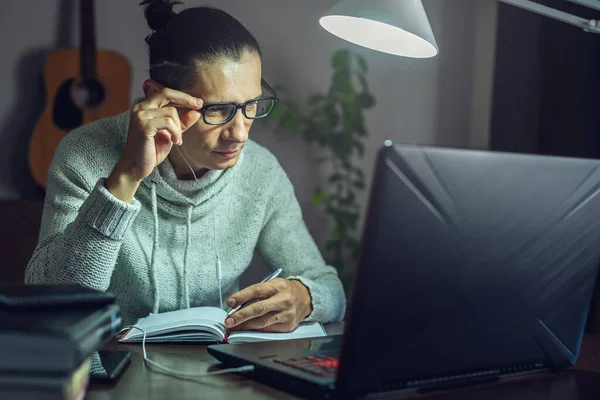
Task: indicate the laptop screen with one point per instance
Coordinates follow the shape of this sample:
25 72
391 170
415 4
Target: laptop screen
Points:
473 264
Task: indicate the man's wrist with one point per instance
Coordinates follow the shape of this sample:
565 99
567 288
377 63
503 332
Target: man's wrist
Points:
122 185
305 298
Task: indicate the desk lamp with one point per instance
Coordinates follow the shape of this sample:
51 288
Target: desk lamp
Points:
401 27
398 27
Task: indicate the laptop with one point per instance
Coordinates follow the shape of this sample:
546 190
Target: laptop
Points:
475 266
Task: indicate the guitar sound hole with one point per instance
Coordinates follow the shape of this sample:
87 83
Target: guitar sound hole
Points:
88 93
65 113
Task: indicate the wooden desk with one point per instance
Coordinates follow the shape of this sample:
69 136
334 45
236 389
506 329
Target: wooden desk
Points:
582 382
141 382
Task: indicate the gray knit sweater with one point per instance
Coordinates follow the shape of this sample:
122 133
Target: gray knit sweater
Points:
159 253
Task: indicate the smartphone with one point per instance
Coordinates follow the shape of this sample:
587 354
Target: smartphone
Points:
114 363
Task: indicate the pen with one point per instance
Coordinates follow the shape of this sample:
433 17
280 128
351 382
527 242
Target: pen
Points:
269 277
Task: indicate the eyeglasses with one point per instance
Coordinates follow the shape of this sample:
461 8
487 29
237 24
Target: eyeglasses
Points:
221 113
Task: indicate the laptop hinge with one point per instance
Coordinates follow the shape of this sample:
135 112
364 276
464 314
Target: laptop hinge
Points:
555 349
450 381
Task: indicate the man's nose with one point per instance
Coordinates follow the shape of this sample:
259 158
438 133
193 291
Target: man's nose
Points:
238 129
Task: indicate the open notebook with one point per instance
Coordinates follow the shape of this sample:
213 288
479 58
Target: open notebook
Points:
206 325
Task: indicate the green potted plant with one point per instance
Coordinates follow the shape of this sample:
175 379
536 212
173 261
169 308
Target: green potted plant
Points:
334 121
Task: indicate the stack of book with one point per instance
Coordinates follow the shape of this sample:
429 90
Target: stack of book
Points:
47 336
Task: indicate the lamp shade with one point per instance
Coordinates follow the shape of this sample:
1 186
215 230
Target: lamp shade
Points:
398 27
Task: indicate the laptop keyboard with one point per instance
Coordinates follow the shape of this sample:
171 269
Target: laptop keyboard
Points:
321 365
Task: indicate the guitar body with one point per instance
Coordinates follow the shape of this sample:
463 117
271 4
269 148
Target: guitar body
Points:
72 101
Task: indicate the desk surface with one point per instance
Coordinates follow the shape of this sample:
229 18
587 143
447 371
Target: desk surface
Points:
582 382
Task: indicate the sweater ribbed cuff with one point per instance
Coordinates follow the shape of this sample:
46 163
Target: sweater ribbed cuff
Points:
316 299
107 214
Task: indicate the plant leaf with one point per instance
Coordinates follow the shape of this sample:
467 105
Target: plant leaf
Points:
353 220
332 118
366 100
318 196
359 173
341 60
350 243
349 198
341 83
360 130
360 148
332 245
275 113
336 178
336 234
290 122
316 99
359 184
363 83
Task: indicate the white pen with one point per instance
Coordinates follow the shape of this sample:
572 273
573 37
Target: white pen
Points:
272 275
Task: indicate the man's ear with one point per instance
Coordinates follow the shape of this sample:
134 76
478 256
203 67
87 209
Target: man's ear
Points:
152 87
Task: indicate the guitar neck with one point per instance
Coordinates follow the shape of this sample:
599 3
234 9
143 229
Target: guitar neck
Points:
87 42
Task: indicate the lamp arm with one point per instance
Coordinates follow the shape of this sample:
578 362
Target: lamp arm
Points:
588 25
595 4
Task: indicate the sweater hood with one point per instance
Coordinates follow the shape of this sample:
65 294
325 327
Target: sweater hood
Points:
179 194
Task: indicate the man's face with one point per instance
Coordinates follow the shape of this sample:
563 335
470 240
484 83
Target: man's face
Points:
219 146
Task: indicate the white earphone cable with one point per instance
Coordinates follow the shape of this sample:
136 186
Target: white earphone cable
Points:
172 372
216 242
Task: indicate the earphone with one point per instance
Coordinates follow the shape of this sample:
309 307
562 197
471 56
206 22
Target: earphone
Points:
245 368
216 242
180 374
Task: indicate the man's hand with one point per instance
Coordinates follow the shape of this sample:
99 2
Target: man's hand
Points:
281 305
155 125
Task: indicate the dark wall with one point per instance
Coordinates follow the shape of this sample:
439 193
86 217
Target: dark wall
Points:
515 102
570 90
547 91
547 84
19 230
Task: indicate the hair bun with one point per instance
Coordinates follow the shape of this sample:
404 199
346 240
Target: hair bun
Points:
159 13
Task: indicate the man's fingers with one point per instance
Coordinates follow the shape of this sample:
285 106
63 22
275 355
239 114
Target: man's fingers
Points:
254 310
173 98
258 322
279 303
184 121
166 124
256 291
166 112
276 321
158 112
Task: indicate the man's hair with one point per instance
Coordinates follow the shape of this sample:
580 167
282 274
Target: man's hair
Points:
199 34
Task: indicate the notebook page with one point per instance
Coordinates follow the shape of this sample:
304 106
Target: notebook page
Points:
197 337
208 318
304 330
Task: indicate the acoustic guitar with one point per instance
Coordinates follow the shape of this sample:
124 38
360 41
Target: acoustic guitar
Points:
82 85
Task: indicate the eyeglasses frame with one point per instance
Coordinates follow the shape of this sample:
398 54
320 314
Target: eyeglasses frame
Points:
242 106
